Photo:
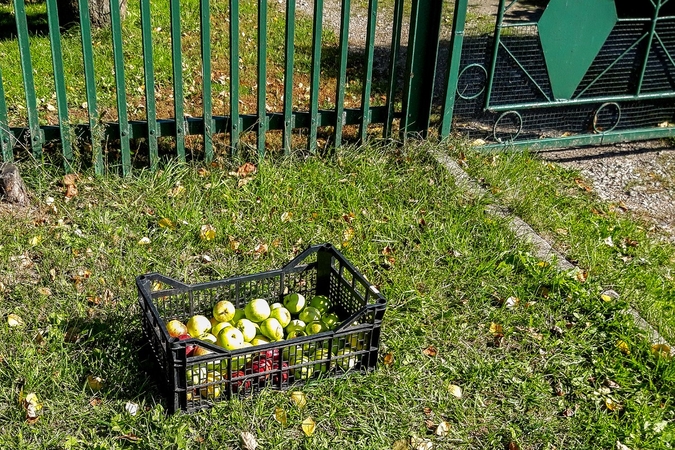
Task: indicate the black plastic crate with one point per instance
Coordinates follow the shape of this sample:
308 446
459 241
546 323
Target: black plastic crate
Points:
197 382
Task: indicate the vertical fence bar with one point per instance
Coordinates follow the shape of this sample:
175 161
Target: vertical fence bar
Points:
207 101
59 83
234 75
122 116
177 64
368 76
495 53
149 79
315 74
650 42
90 87
262 76
342 72
5 133
452 73
425 24
28 81
288 76
395 44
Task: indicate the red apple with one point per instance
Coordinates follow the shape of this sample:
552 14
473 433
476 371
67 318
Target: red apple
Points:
284 372
237 384
189 348
175 328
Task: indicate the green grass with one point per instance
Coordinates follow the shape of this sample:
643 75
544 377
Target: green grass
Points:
556 202
543 384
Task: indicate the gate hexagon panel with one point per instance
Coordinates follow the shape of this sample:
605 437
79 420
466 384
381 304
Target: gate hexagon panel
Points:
567 72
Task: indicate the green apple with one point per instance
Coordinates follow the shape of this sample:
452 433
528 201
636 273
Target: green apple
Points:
200 351
321 302
331 320
223 311
295 324
257 310
198 325
282 315
211 391
230 338
208 337
259 339
196 375
304 372
309 314
346 360
247 328
276 305
318 355
238 315
176 328
315 327
218 327
272 329
295 333
294 302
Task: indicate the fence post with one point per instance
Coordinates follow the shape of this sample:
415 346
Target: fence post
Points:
454 58
418 91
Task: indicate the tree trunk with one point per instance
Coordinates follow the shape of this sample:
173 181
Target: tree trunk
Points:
12 188
99 12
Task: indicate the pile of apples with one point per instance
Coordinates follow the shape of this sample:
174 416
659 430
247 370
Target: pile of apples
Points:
260 323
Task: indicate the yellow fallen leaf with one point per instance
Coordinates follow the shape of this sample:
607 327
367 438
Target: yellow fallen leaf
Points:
280 416
661 350
299 399
286 217
95 383
44 291
308 426
234 244
612 405
388 359
455 390
32 405
177 191
495 328
442 429
623 346
207 233
167 223
248 441
35 240
401 444
606 298
144 241
13 320
421 443
348 234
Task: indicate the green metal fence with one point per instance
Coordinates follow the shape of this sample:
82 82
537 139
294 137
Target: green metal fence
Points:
539 74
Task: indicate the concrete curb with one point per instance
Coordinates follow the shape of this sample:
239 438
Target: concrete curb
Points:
544 250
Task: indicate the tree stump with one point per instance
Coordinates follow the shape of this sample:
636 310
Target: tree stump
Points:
99 12
12 187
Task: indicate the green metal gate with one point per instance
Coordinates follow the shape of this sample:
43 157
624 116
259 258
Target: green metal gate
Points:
569 72
538 73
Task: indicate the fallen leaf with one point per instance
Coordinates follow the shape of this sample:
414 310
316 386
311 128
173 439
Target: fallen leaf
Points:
299 399
234 244
131 408
443 429
32 405
176 192
167 223
661 350
348 234
495 328
455 390
280 416
421 443
348 217
427 411
95 383
203 172
260 249
631 242
581 276
623 346
620 446
431 426
45 291
430 351
476 143
246 169
13 320
207 233
511 302
95 401
513 445
144 241
308 426
35 240
608 241
605 298
582 184
129 437
286 217
612 405
388 359
387 251
248 441
401 444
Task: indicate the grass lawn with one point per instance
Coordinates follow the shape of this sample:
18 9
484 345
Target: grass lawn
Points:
540 360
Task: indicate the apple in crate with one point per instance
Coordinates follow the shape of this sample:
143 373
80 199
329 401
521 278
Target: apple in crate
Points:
223 311
282 314
272 329
175 328
321 302
230 338
198 325
309 314
315 327
189 348
257 310
331 320
218 327
294 302
248 329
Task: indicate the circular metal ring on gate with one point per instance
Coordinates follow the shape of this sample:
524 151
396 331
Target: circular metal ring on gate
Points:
470 78
518 123
596 117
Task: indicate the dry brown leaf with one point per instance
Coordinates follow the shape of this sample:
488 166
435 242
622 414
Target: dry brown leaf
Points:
32 405
348 217
582 184
455 390
234 244
45 291
299 399
260 250
513 445
280 416
401 444
248 441
308 426
431 426
95 383
94 402
495 328
203 172
129 437
430 351
581 275
387 251
427 411
348 234
443 429
176 191
511 302
246 170
421 443
388 359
